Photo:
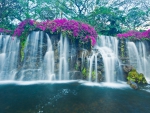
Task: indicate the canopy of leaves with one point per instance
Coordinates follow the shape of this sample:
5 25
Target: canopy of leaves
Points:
108 17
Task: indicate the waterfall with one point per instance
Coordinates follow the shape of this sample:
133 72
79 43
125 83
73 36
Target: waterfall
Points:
138 57
31 56
63 58
108 48
9 52
40 63
49 60
134 57
83 56
145 62
93 70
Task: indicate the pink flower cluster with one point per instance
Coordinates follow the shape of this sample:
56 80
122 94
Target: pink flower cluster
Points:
73 28
21 27
77 29
135 34
5 30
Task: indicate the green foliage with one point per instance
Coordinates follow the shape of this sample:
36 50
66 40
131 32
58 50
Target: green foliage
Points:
23 39
107 18
133 75
135 17
23 43
93 75
27 29
84 72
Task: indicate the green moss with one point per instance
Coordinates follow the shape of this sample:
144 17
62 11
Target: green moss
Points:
23 44
22 50
133 75
93 75
85 73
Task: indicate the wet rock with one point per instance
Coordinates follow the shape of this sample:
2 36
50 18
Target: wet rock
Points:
100 76
72 62
127 68
75 75
35 74
132 84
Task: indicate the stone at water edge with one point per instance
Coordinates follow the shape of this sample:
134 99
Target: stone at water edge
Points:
132 84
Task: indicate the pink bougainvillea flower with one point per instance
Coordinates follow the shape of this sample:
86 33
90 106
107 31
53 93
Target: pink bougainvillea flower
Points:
135 34
73 28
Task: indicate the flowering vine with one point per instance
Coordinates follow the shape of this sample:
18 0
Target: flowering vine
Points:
24 27
71 28
5 31
135 35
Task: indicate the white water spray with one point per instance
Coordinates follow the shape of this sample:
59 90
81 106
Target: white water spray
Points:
93 70
138 58
63 58
108 48
9 47
49 61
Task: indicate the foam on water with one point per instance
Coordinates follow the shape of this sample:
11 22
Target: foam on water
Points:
106 84
36 82
86 83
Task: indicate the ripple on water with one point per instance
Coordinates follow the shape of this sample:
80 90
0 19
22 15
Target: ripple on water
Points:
72 97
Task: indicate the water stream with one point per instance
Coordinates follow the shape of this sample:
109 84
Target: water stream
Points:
108 48
63 58
39 59
30 66
9 53
48 63
139 58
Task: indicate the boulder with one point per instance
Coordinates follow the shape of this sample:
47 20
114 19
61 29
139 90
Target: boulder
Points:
132 84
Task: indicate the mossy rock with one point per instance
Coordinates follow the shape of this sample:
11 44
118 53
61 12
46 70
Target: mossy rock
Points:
134 76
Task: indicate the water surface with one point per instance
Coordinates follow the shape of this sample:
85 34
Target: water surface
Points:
72 97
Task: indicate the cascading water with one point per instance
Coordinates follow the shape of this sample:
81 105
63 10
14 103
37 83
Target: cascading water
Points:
145 62
38 66
49 60
39 61
134 57
84 52
63 58
108 48
9 51
93 70
138 57
30 66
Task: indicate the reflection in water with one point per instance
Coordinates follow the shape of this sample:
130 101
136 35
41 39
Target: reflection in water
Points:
72 97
